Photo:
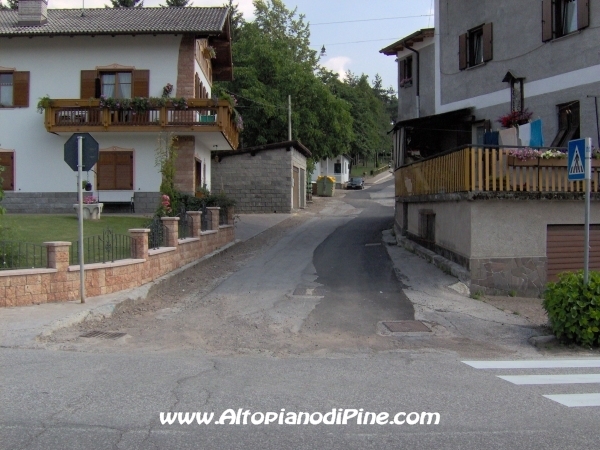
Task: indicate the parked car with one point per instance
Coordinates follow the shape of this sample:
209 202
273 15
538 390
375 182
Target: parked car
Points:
356 183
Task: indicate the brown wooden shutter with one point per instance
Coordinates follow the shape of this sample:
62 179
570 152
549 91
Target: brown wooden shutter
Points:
21 89
583 14
547 20
88 84
141 83
106 171
124 171
462 51
7 163
488 42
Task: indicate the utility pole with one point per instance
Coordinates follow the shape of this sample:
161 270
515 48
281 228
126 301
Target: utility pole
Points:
289 117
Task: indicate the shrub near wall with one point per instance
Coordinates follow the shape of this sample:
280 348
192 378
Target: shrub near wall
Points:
574 308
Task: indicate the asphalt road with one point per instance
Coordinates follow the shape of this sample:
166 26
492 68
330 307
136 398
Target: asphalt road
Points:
294 328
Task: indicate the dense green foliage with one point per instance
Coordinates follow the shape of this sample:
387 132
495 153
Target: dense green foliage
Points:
126 3
273 59
10 4
177 3
574 308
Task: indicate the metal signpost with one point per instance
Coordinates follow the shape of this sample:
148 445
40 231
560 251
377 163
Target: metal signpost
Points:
580 168
81 152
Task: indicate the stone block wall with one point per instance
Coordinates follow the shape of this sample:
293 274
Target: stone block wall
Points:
259 184
59 282
146 202
39 202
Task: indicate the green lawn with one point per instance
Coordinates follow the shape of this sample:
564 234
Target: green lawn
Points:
38 228
357 171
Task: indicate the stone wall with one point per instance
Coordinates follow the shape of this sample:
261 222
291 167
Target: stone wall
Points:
62 202
39 202
59 282
259 184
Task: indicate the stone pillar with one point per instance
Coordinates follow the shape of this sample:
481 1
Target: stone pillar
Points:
171 231
185 164
214 223
196 217
58 255
139 244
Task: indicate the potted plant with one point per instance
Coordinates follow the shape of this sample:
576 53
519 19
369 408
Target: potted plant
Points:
91 208
86 185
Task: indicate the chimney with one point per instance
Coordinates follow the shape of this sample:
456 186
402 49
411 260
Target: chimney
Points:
33 13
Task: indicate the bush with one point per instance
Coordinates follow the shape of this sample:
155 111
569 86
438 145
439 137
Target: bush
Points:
574 308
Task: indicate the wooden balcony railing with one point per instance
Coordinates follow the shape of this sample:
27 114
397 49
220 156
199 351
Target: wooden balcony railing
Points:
483 169
202 115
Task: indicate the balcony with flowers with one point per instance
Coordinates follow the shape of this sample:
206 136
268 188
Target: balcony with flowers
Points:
143 114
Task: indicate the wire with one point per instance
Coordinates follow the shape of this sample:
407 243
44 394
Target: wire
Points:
372 20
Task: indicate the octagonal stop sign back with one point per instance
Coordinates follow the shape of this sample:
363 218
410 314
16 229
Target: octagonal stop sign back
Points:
89 154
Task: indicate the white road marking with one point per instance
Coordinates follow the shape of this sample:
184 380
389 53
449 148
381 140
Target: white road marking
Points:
576 400
535 364
553 379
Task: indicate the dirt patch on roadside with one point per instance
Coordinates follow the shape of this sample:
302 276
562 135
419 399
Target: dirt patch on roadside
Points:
527 307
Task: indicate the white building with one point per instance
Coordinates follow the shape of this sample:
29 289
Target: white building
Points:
338 167
73 58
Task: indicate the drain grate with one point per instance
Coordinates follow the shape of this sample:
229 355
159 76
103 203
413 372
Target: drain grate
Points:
102 335
378 244
407 326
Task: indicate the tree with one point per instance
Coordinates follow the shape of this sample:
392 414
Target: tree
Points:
177 3
10 4
126 3
273 60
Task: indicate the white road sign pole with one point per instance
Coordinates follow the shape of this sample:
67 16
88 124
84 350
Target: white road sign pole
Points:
80 199
588 182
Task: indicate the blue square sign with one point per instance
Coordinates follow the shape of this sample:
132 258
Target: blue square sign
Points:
577 161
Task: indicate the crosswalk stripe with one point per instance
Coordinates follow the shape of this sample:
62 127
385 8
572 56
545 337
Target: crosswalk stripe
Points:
552 379
576 400
535 364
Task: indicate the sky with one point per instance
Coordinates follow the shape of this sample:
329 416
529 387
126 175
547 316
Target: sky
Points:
353 45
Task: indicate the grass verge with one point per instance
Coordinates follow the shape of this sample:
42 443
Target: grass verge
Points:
39 228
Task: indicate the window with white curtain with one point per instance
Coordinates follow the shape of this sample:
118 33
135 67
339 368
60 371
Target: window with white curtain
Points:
6 89
116 84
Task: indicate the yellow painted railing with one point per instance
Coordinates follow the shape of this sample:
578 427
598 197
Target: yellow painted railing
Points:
201 115
478 169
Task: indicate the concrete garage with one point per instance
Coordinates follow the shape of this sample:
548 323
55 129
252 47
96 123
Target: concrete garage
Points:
265 179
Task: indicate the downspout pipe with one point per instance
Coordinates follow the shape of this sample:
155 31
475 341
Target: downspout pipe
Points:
418 85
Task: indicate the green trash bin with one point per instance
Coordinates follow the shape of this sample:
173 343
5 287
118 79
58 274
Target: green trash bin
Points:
326 186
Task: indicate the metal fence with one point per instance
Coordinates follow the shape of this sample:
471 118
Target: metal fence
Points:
206 222
22 255
184 224
223 216
106 247
156 238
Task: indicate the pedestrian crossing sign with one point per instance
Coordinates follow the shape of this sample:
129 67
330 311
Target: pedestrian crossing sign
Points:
577 160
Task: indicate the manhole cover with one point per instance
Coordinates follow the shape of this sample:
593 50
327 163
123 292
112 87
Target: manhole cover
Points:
407 326
102 335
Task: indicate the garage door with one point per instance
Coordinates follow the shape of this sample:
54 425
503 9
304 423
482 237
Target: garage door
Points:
564 249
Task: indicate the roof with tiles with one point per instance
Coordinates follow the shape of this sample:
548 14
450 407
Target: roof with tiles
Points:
112 21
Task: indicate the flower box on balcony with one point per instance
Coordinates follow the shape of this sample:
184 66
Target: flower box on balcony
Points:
544 162
208 119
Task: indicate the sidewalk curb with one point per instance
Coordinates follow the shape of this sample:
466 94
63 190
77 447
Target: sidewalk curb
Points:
126 297
439 261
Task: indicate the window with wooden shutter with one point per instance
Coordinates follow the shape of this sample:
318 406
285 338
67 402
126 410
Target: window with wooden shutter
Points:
89 80
488 42
547 26
21 89
462 51
115 171
7 174
563 17
141 83
583 14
